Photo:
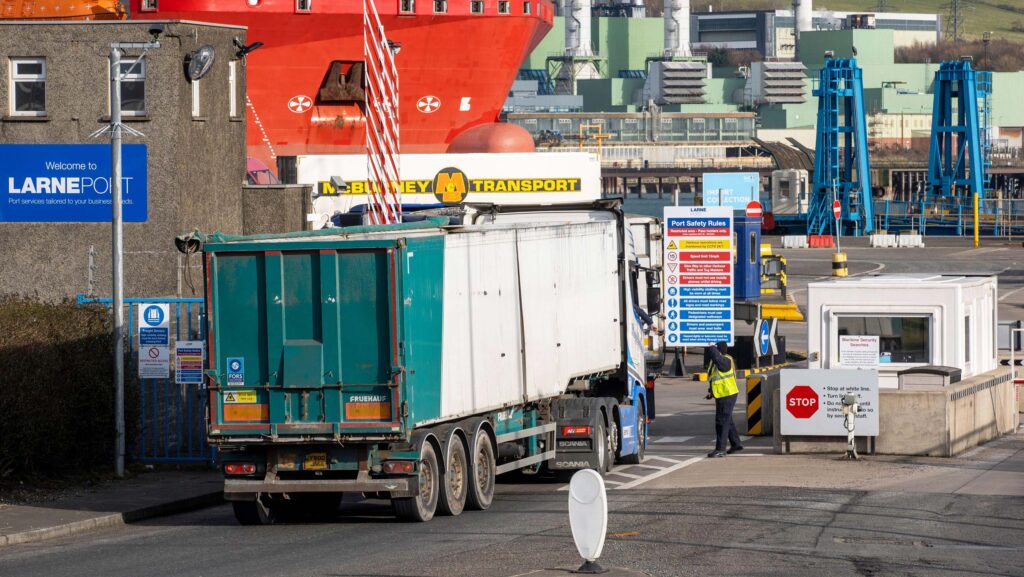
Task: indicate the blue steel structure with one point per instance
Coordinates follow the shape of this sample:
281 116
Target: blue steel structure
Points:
841 170
957 158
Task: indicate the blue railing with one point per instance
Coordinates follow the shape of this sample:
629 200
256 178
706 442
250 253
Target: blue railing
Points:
172 424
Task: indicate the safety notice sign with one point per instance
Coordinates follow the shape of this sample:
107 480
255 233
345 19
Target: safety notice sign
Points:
188 362
812 401
154 362
698 293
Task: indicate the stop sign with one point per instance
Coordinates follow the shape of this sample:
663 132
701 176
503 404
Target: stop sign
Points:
802 401
754 209
837 209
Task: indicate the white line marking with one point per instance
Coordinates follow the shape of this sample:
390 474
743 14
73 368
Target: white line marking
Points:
627 475
660 473
1014 291
648 467
671 439
607 482
660 458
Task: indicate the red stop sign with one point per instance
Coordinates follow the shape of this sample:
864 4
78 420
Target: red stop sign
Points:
802 401
837 209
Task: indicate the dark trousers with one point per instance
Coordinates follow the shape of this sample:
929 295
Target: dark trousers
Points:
724 425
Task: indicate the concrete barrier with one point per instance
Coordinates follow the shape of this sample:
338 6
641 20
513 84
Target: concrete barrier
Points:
911 241
939 422
794 241
883 241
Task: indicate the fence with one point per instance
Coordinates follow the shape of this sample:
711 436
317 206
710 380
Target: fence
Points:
953 217
172 424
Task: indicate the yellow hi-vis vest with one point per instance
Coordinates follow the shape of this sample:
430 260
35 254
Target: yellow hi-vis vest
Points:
723 384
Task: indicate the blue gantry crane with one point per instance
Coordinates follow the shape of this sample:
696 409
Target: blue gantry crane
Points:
841 170
958 157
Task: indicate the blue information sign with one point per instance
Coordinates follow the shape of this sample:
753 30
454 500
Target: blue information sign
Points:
69 183
764 336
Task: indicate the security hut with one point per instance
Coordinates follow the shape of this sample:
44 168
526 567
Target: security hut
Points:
920 320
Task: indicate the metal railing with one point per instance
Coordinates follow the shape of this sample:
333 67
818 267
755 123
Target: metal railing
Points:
952 217
172 423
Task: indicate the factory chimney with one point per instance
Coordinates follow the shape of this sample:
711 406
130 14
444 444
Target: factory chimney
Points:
677 28
803 21
577 28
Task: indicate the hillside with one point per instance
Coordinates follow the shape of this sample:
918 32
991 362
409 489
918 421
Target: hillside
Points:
1004 18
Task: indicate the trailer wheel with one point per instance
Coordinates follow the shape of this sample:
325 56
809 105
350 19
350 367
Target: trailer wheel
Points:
482 467
454 480
257 512
641 438
421 507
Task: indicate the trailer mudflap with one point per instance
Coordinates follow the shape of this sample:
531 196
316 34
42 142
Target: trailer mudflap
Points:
247 489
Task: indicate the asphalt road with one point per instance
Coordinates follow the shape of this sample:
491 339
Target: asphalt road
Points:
754 513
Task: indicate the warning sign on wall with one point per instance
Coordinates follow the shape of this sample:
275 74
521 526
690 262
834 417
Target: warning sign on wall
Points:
812 401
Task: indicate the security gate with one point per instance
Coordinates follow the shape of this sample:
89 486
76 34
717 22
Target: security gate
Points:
171 423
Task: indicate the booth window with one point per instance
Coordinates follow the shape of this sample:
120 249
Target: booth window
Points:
28 87
900 339
967 339
755 251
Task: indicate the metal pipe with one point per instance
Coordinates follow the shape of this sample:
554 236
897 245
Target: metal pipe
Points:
117 250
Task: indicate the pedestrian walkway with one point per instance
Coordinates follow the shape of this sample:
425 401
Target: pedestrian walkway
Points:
112 503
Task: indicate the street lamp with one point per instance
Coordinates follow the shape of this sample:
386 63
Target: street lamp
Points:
117 224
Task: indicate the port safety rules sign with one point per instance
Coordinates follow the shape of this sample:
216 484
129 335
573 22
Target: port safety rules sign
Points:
698 293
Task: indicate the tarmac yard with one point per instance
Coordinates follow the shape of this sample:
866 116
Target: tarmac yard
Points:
679 513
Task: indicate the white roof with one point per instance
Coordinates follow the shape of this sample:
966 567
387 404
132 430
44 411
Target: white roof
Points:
908 280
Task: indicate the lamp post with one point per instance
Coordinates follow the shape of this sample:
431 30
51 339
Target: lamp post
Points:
117 225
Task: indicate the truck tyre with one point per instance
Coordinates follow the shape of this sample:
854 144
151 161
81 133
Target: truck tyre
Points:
601 446
481 478
454 480
641 438
257 512
421 507
612 444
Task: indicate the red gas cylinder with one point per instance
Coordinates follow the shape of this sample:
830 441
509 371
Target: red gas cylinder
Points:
493 137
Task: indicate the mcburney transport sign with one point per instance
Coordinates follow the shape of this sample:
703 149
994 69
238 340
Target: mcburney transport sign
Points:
812 401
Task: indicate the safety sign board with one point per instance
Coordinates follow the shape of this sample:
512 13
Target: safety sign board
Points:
858 351
236 371
154 362
239 397
154 324
812 401
69 183
698 287
188 362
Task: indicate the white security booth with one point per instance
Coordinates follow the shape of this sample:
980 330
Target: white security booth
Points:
919 320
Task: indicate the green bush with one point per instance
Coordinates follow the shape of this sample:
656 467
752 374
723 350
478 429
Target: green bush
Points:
56 389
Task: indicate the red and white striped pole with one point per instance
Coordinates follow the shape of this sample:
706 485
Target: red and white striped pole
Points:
382 142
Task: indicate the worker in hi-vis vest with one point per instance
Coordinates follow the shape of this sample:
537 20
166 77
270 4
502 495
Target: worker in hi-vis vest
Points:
722 386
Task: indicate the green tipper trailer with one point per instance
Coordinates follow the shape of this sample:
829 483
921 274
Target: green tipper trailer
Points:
417 361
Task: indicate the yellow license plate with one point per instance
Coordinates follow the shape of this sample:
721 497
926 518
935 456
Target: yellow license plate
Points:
315 462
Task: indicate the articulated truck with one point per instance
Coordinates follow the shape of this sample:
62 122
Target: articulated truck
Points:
415 362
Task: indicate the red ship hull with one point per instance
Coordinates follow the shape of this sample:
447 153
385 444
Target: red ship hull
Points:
455 69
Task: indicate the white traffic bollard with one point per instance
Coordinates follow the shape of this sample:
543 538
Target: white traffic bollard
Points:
850 409
588 518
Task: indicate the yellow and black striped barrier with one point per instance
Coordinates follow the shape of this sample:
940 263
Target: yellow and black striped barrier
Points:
744 373
754 425
839 264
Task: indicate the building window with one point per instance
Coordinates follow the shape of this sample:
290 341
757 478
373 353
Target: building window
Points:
28 87
504 7
233 89
148 6
133 86
406 6
440 6
527 8
304 6
196 108
476 7
900 339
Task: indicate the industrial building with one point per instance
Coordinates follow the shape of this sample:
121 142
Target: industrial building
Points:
184 152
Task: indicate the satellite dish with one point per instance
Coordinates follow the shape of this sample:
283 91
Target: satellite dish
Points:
199 62
588 517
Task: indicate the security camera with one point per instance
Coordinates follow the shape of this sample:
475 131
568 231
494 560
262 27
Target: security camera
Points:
156 29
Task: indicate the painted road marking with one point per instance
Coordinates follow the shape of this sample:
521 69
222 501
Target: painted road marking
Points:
671 439
624 474
660 473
